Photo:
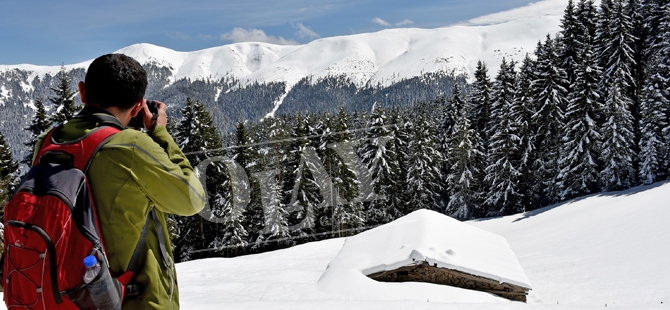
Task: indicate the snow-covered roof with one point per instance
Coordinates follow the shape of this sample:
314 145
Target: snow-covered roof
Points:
432 237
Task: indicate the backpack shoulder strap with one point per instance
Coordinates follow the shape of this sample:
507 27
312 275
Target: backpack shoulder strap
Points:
134 265
80 151
141 243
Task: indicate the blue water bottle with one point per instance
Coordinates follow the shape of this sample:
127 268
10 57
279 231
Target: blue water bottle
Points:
102 290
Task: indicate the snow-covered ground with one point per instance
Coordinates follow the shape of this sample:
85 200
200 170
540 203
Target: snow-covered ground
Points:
422 236
608 250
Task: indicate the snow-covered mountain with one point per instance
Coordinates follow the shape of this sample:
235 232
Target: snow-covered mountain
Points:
248 81
383 57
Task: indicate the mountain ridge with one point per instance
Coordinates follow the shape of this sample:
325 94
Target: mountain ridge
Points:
384 57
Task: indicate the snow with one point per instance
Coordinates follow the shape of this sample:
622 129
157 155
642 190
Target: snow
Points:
423 236
608 249
604 249
383 57
4 93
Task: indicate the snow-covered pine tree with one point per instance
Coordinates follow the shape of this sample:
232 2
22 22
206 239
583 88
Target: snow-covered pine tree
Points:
655 108
549 93
39 125
446 117
305 195
618 133
232 239
523 98
568 41
603 35
587 20
199 139
401 136
8 170
655 12
634 10
465 157
272 186
424 173
347 216
338 213
256 161
504 157
381 163
479 101
63 101
582 141
276 225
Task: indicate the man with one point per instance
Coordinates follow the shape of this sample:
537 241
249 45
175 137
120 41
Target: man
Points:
132 174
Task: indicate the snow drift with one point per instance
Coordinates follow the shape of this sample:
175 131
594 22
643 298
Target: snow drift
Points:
422 236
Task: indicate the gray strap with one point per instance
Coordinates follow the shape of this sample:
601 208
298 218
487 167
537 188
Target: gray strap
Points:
139 249
161 239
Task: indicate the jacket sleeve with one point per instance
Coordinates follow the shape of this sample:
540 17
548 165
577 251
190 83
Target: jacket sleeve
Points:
165 175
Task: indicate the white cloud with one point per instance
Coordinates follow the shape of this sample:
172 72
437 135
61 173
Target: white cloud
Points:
380 21
404 22
304 32
254 35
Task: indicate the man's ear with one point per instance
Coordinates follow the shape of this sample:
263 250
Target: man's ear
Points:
82 91
136 109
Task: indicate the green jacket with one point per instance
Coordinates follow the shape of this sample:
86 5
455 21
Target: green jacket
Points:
133 173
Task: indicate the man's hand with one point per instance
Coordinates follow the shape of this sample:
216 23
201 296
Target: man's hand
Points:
148 116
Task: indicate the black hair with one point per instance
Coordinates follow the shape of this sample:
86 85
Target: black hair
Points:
115 80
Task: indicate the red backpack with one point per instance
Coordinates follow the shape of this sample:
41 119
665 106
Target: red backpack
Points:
51 224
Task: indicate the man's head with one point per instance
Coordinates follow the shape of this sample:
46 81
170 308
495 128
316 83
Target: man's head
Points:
115 80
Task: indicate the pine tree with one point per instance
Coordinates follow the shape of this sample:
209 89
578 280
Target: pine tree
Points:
465 157
199 139
233 238
619 149
8 172
550 96
250 155
655 12
63 101
272 180
587 23
305 195
39 125
655 110
503 162
480 102
380 162
603 35
634 10
349 215
424 173
568 40
401 135
525 102
581 149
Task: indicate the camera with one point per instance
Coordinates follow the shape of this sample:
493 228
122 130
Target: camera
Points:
138 120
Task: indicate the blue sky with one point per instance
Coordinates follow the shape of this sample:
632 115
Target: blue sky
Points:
47 32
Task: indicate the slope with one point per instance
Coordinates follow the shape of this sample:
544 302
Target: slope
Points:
603 250
608 250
